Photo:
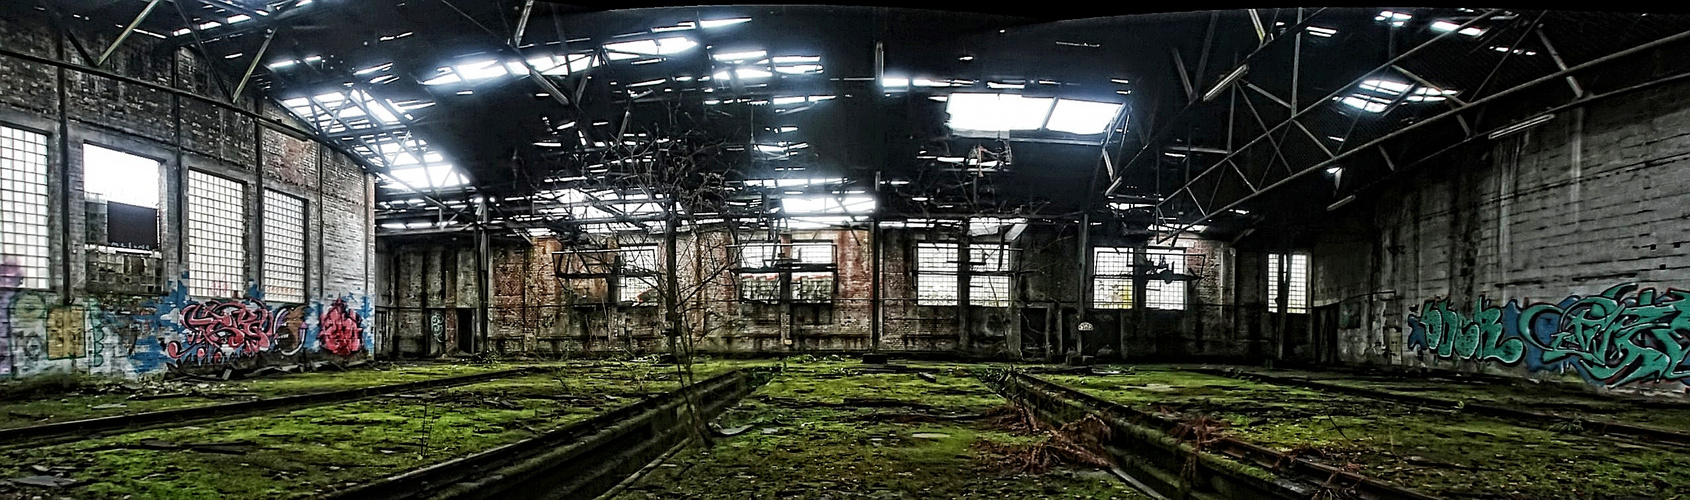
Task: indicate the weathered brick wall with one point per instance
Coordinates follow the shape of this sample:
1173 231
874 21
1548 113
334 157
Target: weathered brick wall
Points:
129 314
532 311
1529 226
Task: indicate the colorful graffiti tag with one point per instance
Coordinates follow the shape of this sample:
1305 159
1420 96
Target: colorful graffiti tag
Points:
219 330
1621 336
341 331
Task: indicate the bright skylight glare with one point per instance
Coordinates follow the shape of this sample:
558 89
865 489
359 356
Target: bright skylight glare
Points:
718 23
995 113
119 176
1364 102
799 69
827 205
1322 32
744 74
1442 26
739 55
660 47
428 177
1082 117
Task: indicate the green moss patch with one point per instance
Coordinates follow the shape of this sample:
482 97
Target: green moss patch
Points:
1441 452
829 430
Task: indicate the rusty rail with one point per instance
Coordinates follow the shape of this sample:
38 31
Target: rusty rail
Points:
1144 443
1599 426
576 462
75 430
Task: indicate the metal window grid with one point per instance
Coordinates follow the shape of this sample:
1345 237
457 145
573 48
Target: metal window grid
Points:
1112 282
23 208
216 235
284 247
988 291
1160 294
1297 301
638 285
936 280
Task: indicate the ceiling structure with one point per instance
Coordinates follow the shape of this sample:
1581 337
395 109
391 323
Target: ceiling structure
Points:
563 119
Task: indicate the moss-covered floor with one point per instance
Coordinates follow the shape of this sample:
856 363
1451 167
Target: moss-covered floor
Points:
1553 397
827 430
1445 453
81 398
311 451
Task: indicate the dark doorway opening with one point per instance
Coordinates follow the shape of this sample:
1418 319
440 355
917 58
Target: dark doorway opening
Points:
466 330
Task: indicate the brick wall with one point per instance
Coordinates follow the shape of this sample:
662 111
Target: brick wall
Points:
1565 211
128 314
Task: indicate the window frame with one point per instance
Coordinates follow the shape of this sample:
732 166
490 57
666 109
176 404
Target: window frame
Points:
1125 275
266 221
625 273
161 182
986 272
1295 302
25 280
949 275
1177 288
242 228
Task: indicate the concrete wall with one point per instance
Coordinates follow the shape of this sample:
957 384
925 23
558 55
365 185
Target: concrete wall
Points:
1551 253
434 276
130 314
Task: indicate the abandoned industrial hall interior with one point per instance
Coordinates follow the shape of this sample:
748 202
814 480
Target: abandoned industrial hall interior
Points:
535 249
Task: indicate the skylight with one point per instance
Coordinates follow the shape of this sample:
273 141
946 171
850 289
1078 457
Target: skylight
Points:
827 205
661 46
1322 32
1449 26
1364 102
1395 18
1082 117
717 23
1420 93
739 56
991 114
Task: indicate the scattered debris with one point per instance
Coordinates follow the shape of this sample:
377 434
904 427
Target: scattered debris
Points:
930 435
44 481
928 377
109 406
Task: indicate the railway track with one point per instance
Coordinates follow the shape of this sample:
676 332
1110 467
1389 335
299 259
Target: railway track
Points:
581 460
1157 452
74 430
1607 427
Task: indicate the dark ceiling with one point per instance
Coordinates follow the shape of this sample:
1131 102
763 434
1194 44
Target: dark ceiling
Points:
1196 145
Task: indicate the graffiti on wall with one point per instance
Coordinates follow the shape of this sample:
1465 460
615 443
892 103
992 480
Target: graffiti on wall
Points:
130 336
1624 335
226 330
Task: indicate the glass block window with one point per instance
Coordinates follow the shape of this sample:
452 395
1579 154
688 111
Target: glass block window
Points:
23 208
763 287
638 283
1112 278
284 247
1297 298
936 274
216 236
989 287
812 287
1160 294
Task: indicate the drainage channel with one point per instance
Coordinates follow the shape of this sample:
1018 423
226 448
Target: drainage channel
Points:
579 461
1144 447
1594 425
58 432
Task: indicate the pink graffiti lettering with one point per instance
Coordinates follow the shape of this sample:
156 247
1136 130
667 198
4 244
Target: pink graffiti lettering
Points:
342 331
219 331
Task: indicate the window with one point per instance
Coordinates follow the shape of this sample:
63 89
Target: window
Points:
1165 293
988 283
762 287
936 274
812 286
1297 301
638 283
1112 278
216 236
122 191
23 208
284 247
